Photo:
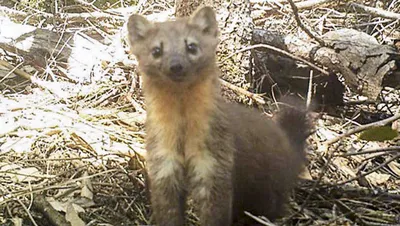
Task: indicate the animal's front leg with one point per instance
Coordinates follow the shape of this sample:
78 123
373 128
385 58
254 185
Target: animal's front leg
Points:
167 190
211 182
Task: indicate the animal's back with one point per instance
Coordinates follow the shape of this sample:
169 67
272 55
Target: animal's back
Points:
267 161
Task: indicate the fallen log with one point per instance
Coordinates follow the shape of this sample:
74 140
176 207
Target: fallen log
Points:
356 56
72 54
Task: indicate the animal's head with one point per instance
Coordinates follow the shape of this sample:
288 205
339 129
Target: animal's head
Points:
178 51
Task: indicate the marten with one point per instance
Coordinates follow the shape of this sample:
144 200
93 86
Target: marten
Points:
227 157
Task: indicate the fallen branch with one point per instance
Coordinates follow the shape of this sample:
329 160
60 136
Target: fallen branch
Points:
283 52
375 150
376 12
358 57
362 128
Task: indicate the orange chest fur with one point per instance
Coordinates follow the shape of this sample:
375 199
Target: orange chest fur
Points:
179 122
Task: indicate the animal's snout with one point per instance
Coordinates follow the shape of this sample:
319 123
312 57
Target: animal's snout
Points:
176 67
177 70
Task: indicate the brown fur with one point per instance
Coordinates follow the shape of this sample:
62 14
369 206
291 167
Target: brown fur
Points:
228 158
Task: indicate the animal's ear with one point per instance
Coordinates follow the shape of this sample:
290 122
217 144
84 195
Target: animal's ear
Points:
138 26
205 19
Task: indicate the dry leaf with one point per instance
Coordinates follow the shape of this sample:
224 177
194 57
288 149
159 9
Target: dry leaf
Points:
84 202
381 133
87 187
72 216
132 118
326 134
17 221
342 165
394 166
59 206
19 174
377 178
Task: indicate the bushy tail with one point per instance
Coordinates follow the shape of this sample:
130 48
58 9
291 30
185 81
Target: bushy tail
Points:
293 119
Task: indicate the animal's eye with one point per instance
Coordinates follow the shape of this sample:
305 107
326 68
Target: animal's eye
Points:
156 52
192 48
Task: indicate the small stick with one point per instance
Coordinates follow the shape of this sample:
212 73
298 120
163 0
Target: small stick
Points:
134 103
375 150
309 92
14 70
376 12
313 189
256 97
310 3
371 171
301 25
82 2
259 220
27 212
313 66
104 97
363 127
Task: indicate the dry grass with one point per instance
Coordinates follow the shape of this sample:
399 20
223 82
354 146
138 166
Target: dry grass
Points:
82 145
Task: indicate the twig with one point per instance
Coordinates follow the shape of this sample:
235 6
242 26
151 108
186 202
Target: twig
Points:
357 102
251 95
134 102
279 51
301 25
65 16
376 12
6 10
349 211
27 212
310 89
363 127
313 188
311 3
259 220
39 189
103 98
375 150
371 171
84 3
85 16
13 70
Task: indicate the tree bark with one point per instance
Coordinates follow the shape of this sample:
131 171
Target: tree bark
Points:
358 57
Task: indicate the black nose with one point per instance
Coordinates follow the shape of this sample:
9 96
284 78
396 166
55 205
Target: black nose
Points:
176 68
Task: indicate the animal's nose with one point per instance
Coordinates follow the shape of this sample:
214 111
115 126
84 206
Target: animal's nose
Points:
176 68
